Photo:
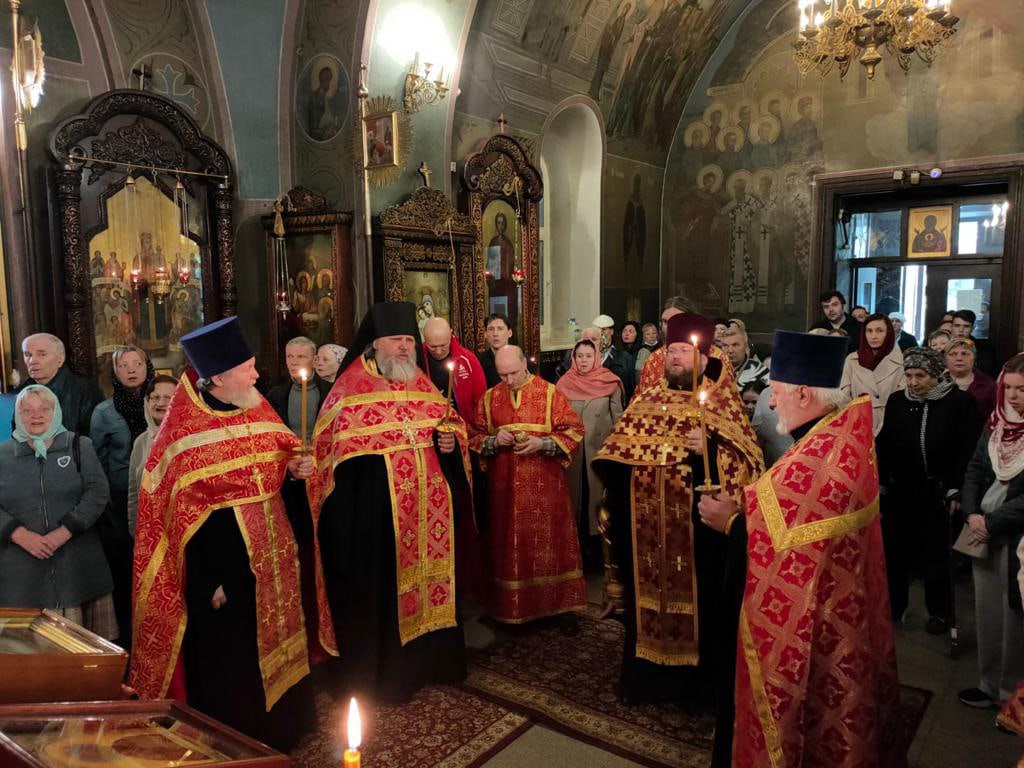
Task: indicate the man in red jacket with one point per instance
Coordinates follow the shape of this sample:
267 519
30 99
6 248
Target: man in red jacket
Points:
440 348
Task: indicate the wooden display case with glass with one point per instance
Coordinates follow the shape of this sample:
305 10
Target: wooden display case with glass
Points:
45 657
130 734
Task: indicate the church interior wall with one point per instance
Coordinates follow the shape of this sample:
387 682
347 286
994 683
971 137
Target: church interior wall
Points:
956 110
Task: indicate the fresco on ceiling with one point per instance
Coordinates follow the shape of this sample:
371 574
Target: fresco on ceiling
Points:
637 59
737 203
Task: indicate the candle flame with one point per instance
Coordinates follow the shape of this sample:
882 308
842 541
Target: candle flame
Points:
703 396
694 339
451 365
303 375
355 730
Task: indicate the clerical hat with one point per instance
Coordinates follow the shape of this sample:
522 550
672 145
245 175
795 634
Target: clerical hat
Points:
216 347
387 318
684 326
808 359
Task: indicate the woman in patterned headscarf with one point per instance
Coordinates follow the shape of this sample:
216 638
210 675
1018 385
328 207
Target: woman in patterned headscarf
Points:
993 503
927 438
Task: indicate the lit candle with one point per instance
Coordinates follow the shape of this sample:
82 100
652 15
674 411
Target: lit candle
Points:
448 404
694 341
355 735
305 418
704 439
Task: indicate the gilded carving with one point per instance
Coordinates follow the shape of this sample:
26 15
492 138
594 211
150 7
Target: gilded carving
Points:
427 208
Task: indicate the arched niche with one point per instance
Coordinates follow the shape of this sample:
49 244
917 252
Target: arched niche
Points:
571 159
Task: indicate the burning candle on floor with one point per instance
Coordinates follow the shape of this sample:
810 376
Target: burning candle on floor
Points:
355 736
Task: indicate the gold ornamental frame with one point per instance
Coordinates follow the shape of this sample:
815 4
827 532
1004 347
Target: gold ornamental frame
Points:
382 163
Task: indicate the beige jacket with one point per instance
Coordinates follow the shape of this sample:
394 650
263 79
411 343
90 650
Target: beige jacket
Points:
598 416
880 383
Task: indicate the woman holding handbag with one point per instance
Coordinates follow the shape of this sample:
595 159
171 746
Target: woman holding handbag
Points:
993 505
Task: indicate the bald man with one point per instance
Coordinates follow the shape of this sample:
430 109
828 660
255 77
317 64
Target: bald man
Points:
44 358
527 436
441 347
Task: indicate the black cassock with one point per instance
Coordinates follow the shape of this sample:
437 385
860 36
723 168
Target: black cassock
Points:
357 546
222 671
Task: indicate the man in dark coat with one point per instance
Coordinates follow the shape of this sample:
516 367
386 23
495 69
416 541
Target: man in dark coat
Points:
922 475
833 307
44 357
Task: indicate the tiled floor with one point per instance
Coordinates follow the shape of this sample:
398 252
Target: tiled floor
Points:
951 735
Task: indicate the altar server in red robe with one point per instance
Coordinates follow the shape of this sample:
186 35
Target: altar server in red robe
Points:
218 610
526 435
816 680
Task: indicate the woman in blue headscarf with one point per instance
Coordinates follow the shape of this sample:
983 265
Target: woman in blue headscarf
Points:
52 491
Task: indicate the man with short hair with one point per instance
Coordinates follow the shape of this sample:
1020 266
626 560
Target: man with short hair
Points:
497 333
467 377
963 328
528 435
214 553
745 365
44 358
815 665
391 474
654 367
618 361
833 307
859 313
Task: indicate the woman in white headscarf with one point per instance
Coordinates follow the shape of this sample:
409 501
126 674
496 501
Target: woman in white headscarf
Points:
904 340
52 492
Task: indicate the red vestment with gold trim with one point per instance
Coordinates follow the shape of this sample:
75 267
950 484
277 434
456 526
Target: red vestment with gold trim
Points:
367 414
650 439
816 680
534 561
204 460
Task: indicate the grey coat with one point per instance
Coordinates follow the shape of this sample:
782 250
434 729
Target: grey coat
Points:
42 496
112 441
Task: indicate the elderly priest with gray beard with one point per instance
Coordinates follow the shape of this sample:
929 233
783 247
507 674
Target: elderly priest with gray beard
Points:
218 615
391 475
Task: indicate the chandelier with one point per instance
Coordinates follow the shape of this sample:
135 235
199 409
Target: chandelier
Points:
834 33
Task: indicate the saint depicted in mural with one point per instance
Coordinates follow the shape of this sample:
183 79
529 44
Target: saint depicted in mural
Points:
634 226
742 211
606 49
501 252
322 98
930 239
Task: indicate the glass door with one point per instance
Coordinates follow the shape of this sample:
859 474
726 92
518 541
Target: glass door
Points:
952 287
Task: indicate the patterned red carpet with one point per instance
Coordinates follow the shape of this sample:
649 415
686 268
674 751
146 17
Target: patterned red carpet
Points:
540 675
441 726
568 683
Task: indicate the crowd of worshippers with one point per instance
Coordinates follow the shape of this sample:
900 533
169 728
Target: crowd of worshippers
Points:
236 541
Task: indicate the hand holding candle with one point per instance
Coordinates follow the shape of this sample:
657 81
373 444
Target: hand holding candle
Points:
355 736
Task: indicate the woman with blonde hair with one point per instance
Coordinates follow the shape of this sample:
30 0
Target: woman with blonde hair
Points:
52 492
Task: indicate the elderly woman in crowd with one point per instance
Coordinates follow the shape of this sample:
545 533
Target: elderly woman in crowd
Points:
904 340
993 505
116 423
157 399
876 368
929 434
52 492
938 340
328 361
595 394
961 356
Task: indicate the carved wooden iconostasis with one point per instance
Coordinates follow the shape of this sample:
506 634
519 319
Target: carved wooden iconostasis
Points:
503 192
424 253
143 202
311 293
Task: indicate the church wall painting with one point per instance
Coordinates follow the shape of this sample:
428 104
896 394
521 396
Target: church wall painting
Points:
430 291
929 232
322 98
311 284
737 214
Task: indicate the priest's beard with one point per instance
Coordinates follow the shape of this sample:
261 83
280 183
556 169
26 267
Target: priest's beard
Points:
247 399
678 380
393 369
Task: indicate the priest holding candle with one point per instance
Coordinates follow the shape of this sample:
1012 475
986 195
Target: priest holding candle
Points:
389 485
671 566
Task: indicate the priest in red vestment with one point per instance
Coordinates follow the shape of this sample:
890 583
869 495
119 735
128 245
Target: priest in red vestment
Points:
672 567
391 479
218 611
526 433
816 680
